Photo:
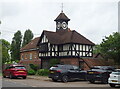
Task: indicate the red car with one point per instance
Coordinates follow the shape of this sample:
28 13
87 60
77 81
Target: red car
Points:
14 71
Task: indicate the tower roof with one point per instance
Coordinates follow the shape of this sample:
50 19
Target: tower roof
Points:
62 16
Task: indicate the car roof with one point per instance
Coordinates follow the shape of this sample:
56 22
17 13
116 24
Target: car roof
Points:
102 66
117 70
64 65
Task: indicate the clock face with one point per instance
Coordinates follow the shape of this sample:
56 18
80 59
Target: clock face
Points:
64 25
58 25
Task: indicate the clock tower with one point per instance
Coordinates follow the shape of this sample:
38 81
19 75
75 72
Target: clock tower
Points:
62 22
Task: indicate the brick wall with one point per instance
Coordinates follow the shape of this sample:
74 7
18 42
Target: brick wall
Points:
27 62
73 61
29 55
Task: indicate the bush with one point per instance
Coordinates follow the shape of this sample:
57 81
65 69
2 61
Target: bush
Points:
43 72
54 62
34 67
31 72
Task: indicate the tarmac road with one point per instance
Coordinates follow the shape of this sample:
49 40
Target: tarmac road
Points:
43 82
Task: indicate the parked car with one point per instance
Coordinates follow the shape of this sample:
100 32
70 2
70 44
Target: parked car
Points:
99 73
66 73
14 71
114 78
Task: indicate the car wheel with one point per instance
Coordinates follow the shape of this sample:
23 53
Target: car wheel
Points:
112 85
92 81
24 77
55 80
65 78
11 77
4 76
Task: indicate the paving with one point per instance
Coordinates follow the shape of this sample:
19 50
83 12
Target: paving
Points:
38 77
44 81
0 82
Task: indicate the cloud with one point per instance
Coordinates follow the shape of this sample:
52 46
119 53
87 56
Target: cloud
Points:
91 19
10 9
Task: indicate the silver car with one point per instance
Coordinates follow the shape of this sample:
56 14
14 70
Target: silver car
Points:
114 78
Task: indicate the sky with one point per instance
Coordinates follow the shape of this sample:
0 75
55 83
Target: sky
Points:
94 19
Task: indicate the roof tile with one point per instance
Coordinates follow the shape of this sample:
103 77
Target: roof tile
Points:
31 45
63 37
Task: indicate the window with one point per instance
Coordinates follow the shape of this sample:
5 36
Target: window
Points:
30 56
35 55
60 48
26 56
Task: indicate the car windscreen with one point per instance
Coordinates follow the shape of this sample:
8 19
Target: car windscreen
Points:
57 66
75 67
116 73
104 68
19 67
61 67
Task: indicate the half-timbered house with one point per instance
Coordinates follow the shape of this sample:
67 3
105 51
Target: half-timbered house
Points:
65 45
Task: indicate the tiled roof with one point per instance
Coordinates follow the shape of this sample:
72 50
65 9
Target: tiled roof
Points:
94 62
31 45
62 16
64 36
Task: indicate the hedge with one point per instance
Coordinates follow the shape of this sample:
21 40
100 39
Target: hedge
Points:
43 72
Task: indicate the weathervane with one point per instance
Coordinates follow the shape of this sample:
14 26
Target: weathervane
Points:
62 8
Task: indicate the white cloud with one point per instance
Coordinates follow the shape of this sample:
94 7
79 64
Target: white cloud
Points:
92 19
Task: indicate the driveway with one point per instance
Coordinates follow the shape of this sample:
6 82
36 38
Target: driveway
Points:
39 81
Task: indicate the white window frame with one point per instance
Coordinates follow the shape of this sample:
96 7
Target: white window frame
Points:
31 56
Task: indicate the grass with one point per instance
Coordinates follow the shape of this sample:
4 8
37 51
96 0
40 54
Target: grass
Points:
0 74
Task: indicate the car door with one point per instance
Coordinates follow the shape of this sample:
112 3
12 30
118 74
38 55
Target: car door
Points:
73 72
82 74
6 71
78 73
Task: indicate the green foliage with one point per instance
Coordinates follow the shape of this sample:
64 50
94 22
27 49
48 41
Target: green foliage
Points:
97 49
10 62
54 62
43 72
15 46
0 74
110 47
34 67
4 48
31 72
28 35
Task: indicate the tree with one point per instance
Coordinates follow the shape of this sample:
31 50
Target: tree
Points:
15 46
28 35
110 47
4 48
97 49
